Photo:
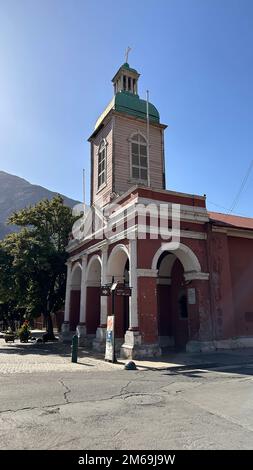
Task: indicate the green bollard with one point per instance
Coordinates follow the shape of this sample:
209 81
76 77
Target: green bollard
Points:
74 348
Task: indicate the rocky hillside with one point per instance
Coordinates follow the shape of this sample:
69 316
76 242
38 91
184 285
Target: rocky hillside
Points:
17 193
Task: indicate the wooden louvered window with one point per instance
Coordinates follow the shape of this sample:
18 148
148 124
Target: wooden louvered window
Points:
102 164
139 158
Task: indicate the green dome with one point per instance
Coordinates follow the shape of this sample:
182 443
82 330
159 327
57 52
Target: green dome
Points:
131 104
128 103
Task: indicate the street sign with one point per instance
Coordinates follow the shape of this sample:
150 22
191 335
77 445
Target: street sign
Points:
110 340
124 291
105 290
118 289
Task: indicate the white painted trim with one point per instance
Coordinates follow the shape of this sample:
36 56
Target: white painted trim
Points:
82 313
131 230
191 276
103 299
133 302
103 145
116 219
116 249
73 270
146 272
234 232
93 283
188 259
91 261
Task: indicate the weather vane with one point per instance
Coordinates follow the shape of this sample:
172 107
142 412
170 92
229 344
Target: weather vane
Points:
127 53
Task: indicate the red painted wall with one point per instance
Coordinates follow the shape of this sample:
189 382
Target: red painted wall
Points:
241 265
92 309
221 288
74 309
179 325
147 308
164 310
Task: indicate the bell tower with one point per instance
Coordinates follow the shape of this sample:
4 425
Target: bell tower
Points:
126 79
127 144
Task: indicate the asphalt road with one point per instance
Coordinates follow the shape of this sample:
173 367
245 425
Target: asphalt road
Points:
180 408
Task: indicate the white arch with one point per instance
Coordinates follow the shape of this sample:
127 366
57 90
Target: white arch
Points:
117 261
185 255
93 271
138 132
76 276
167 264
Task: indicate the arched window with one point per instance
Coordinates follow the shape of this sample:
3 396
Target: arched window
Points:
139 158
102 163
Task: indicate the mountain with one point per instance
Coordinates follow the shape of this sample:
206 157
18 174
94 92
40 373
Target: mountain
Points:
17 193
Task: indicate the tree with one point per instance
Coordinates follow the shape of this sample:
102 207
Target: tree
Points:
6 287
38 258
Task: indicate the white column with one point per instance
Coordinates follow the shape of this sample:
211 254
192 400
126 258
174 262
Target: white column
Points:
67 295
82 316
99 342
104 280
133 306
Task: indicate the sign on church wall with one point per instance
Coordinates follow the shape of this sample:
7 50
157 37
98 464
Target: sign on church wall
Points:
191 295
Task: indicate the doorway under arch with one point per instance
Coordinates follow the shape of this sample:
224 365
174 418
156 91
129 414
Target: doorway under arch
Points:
75 295
93 283
118 269
172 303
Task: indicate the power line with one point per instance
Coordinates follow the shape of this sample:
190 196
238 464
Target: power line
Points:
244 181
225 208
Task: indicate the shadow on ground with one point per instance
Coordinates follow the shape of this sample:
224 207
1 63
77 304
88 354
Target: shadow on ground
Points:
239 361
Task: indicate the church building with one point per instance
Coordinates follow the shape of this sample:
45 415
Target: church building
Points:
195 295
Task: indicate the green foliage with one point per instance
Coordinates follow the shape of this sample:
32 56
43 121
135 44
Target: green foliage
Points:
33 261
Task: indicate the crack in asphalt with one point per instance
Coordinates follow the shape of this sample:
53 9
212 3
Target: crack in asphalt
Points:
68 390
124 388
123 394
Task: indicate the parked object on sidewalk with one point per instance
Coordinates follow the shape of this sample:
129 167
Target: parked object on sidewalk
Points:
9 336
74 348
130 366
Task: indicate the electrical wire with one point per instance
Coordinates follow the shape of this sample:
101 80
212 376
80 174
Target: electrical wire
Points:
244 181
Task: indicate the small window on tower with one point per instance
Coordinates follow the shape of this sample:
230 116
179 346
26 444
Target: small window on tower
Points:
124 82
129 84
102 164
139 159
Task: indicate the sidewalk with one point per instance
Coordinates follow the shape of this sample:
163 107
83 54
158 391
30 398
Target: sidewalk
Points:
39 357
196 360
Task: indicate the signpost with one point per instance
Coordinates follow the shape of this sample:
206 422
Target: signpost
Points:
110 339
114 289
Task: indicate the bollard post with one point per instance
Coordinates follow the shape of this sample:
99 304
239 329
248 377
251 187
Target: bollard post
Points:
74 348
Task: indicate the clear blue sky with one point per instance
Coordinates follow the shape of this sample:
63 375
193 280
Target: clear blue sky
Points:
57 58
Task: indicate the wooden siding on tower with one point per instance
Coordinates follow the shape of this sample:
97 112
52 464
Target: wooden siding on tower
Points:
102 196
124 128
